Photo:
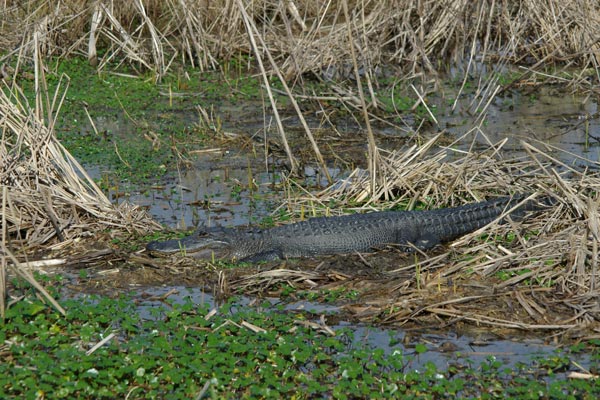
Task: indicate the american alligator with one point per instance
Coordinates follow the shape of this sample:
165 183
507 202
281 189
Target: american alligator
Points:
346 234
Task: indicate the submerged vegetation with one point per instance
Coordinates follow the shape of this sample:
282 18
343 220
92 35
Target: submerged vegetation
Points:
69 71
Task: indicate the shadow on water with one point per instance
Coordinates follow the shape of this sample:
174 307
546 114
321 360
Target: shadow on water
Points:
552 116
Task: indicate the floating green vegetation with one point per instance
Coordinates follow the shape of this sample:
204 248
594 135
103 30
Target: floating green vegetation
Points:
105 348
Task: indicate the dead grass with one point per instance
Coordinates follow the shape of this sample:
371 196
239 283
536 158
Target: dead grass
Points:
417 37
339 41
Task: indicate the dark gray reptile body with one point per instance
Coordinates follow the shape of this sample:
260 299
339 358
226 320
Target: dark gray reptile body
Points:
345 234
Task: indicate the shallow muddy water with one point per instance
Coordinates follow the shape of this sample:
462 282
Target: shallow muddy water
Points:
565 121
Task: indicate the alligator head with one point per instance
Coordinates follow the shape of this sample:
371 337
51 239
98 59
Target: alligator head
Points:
217 243
201 244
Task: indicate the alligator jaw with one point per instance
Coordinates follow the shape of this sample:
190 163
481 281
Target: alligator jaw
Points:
193 245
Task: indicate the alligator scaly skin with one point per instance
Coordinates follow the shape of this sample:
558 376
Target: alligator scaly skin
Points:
348 233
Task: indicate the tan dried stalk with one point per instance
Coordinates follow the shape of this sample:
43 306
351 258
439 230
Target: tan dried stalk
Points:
251 34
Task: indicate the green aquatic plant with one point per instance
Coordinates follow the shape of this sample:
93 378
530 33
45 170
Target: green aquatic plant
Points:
129 347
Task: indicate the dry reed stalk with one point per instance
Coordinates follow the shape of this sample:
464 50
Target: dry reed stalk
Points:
195 39
92 52
24 273
372 147
267 279
251 28
419 37
158 55
123 40
3 260
251 34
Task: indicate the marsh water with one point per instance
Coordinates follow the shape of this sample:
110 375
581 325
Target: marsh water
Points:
234 186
